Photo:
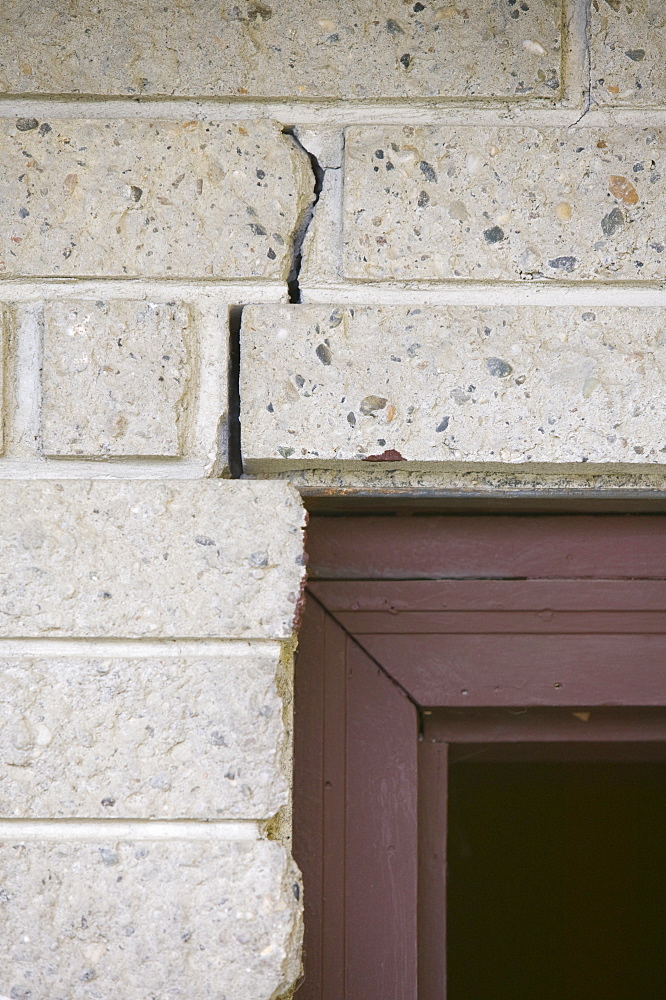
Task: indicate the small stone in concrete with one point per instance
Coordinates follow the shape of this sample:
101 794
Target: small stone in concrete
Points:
504 204
114 378
433 386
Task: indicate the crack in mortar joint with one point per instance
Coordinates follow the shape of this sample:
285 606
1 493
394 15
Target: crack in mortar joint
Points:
305 222
587 96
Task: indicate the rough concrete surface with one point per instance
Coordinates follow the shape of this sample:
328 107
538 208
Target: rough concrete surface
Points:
138 558
147 920
441 384
195 736
316 48
504 204
150 198
114 377
627 53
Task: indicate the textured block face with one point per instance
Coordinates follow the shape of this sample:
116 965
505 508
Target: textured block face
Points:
139 558
114 378
177 737
504 204
149 198
465 384
627 52
372 48
98 921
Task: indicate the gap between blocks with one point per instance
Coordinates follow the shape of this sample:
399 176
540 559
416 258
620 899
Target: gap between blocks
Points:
234 447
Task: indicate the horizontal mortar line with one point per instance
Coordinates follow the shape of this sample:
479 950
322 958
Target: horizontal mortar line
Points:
227 285
626 114
133 648
66 468
339 113
146 103
483 294
133 829
317 113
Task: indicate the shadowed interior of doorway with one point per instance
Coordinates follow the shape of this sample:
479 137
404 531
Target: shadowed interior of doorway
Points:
556 880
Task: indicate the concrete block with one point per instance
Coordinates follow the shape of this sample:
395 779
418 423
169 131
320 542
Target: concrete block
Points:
114 378
167 559
176 737
522 384
191 199
627 52
142 919
504 204
369 49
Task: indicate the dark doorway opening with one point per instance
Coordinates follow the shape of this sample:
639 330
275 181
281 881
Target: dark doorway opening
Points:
556 880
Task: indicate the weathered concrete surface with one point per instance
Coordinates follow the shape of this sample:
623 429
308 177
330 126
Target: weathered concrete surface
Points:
499 384
307 49
139 558
627 52
149 198
194 736
510 203
143 919
114 377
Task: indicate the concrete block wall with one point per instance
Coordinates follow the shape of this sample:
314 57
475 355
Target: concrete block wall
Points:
410 245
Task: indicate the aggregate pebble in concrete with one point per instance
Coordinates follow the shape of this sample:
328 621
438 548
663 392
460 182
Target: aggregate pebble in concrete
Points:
505 204
195 736
525 384
142 919
312 48
149 198
114 377
114 558
627 52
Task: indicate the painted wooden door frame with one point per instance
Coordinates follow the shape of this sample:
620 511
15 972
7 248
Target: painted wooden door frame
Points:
419 635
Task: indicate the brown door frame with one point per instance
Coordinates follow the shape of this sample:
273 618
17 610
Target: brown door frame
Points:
422 634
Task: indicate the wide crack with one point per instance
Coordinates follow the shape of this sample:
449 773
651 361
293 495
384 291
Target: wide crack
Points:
233 429
293 281
234 452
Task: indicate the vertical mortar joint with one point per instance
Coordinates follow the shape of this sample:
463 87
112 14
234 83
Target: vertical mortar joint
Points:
587 69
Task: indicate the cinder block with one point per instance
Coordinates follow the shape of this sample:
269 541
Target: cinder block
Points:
132 558
504 204
192 199
627 52
176 737
114 378
98 921
368 49
523 384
